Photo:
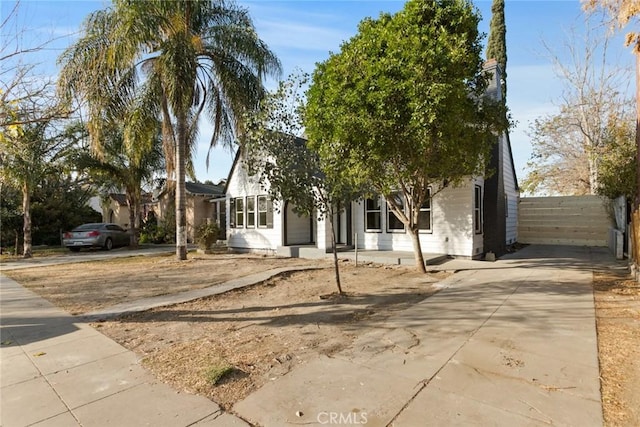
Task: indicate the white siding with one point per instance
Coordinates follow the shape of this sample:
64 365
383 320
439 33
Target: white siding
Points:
452 229
257 238
512 194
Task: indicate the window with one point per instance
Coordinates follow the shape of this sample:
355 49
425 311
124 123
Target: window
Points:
424 217
372 215
477 210
239 212
393 222
265 212
251 211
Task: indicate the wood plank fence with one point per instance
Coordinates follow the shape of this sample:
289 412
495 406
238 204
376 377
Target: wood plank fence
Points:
565 220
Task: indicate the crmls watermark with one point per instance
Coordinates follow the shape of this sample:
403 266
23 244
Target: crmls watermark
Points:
342 418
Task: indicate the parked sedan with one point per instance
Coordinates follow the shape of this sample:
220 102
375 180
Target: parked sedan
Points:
96 235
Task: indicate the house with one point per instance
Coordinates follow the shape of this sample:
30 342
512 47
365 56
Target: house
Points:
203 202
115 208
466 221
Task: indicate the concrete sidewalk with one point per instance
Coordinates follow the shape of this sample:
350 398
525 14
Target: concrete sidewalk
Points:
511 343
57 371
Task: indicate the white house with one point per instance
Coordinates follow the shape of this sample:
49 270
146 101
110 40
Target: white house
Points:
466 221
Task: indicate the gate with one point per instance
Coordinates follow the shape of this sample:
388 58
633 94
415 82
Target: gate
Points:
565 220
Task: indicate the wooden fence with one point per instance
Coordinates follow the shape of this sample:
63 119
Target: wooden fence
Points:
566 220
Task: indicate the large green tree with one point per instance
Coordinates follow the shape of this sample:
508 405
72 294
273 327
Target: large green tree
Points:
181 59
497 42
402 107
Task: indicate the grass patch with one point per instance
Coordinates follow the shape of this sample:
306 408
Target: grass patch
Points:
219 371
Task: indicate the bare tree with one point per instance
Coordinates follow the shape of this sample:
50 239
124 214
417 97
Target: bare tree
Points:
626 13
567 145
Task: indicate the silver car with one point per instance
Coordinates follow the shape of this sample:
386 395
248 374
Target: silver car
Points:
96 235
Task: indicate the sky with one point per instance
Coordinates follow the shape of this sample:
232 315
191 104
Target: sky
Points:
302 33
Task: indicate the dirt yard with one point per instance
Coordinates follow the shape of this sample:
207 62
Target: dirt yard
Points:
618 321
226 346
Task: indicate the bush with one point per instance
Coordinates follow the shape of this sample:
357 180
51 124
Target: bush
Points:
158 232
207 234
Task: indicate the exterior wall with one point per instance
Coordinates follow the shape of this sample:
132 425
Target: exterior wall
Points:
512 195
251 239
198 210
117 214
452 230
567 220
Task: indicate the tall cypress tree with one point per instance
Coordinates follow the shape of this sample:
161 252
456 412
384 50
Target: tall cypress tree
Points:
497 44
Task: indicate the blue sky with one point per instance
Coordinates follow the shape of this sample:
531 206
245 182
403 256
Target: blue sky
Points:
302 33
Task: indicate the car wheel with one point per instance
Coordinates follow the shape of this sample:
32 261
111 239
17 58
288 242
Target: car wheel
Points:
108 244
74 249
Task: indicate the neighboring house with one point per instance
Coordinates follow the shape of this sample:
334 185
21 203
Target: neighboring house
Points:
467 221
203 202
116 209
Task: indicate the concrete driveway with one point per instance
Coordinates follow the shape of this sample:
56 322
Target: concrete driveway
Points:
510 343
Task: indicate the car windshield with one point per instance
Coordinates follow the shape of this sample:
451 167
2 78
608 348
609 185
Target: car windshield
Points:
84 227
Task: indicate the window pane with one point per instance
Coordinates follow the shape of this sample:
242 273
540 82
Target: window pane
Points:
373 204
424 220
373 221
394 222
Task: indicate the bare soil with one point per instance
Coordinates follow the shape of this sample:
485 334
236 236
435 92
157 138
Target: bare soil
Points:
226 346
617 299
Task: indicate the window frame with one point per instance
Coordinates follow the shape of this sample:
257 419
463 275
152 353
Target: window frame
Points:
477 210
268 212
250 220
390 212
240 212
429 209
373 211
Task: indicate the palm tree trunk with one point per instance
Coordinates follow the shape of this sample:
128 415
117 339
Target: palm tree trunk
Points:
26 209
133 228
181 214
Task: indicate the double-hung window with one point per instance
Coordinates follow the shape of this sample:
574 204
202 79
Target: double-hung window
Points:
372 214
251 211
239 212
265 212
425 222
393 222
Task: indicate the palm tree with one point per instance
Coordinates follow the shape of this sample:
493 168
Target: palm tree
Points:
196 56
30 152
125 167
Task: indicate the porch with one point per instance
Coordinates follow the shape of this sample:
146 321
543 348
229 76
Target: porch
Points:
361 255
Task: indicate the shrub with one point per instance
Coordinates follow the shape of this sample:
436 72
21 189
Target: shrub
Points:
207 234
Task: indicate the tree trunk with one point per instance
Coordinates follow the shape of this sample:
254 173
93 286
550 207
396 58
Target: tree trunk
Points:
181 214
635 218
417 249
26 209
335 253
133 239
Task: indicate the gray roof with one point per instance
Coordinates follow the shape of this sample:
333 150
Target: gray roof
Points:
204 189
